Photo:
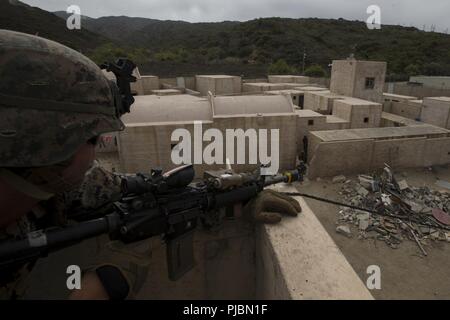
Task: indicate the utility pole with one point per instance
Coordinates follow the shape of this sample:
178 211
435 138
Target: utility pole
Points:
304 61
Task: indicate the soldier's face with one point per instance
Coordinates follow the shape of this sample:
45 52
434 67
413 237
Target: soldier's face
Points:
81 162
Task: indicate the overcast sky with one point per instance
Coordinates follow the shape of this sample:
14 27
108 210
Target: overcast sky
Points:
404 12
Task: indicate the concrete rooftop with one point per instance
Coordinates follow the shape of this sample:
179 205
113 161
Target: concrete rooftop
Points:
380 133
174 108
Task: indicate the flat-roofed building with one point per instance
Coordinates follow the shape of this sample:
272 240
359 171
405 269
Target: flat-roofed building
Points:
359 79
359 113
218 84
436 111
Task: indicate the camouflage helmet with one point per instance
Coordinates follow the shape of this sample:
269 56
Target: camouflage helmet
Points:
52 100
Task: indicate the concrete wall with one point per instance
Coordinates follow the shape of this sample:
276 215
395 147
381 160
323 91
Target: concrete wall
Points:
218 85
142 147
408 109
360 113
393 120
288 79
146 85
297 96
348 78
181 82
420 91
432 82
343 77
286 124
321 102
166 92
398 153
309 120
436 111
437 152
325 82
370 69
330 158
297 259
263 86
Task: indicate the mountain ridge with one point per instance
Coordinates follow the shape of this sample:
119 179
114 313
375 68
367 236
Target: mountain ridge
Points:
257 43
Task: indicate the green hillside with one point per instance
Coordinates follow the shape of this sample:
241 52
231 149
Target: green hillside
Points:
27 19
251 47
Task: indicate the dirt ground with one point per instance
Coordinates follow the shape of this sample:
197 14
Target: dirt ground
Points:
405 272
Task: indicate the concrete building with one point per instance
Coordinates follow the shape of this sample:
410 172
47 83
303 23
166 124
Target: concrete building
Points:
311 88
145 85
394 120
297 96
146 141
359 79
436 111
405 106
442 83
308 120
288 79
166 92
259 87
218 84
359 113
321 101
362 150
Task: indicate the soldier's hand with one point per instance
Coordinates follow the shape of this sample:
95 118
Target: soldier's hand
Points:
269 206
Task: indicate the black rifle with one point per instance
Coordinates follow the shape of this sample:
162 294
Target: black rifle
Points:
154 204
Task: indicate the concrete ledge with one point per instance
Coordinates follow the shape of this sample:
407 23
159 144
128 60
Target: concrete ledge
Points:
297 259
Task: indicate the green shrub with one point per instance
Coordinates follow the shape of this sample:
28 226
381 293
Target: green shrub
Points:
281 67
315 71
412 70
110 53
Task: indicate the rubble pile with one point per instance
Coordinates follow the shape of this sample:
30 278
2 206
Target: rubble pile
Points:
394 211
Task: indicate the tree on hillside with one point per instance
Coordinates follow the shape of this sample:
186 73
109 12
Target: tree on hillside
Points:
412 70
109 52
315 71
281 67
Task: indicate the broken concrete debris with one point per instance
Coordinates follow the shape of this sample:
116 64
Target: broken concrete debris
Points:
399 212
443 184
345 230
403 185
368 183
364 221
339 179
362 191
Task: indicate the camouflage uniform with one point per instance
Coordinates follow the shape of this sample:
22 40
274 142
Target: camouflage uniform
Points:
98 188
52 101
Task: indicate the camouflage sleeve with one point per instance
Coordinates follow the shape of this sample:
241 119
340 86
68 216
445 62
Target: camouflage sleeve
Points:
99 187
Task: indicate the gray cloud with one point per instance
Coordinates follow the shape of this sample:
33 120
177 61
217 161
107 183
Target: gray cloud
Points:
404 12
